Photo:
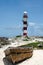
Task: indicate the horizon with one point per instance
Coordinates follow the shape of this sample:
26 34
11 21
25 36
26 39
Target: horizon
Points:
11 16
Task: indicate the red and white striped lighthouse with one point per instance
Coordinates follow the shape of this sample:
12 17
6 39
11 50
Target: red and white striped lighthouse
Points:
25 24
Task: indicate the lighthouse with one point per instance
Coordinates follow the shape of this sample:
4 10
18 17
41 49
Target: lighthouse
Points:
25 24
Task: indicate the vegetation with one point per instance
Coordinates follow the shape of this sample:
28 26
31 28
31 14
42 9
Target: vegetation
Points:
4 41
18 36
35 45
26 38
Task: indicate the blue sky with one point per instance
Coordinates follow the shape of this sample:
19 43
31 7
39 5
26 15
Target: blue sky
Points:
11 15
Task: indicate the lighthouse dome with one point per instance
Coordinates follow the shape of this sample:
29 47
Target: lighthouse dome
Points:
25 12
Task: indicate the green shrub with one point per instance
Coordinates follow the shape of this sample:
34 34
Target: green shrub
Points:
34 44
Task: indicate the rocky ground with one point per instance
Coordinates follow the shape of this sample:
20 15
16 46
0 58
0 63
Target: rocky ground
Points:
36 59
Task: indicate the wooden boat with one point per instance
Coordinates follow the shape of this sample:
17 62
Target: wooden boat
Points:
18 54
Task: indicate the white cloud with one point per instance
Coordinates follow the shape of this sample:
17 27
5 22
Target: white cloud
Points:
31 24
36 27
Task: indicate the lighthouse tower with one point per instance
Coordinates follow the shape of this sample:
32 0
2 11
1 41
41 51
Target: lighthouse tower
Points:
25 24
